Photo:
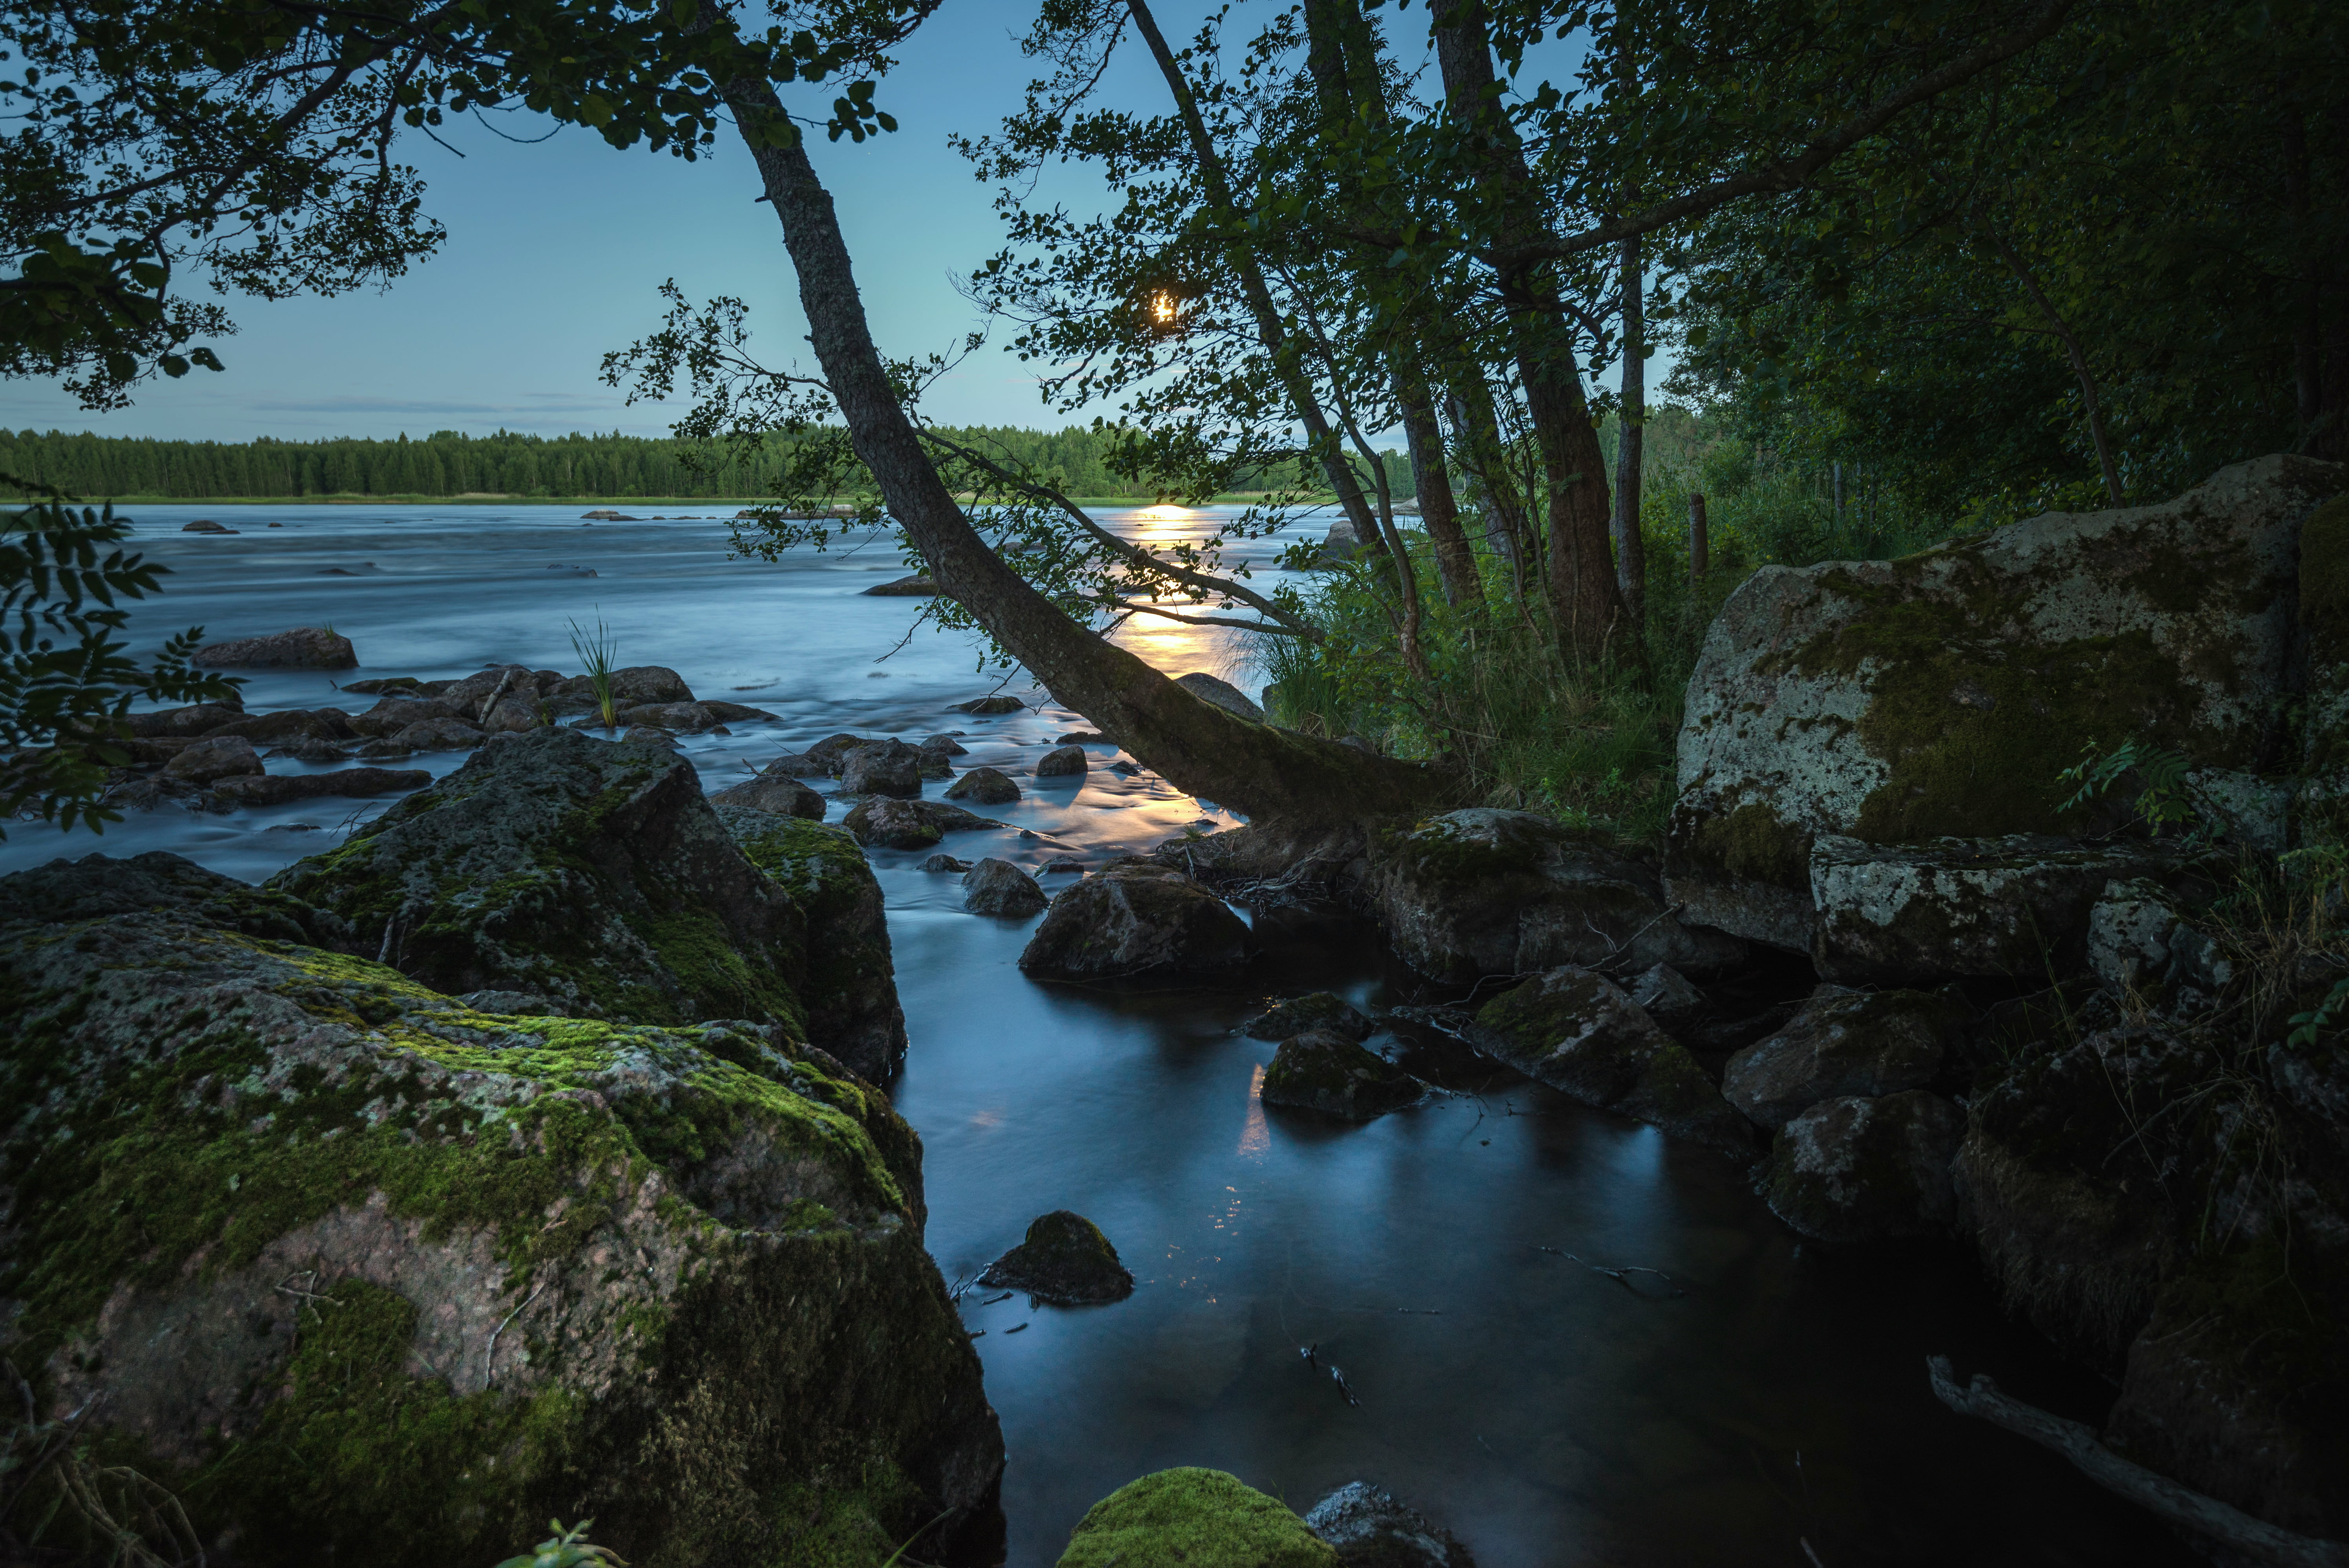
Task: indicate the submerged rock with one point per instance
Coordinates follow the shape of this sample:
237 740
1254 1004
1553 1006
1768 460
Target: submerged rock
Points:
215 758
339 1258
589 872
1065 1259
1316 1010
1943 693
1198 1518
1863 1169
2013 908
1370 1528
1484 892
777 794
1842 1043
1064 762
847 987
304 648
882 767
1576 1031
995 887
1222 694
1328 1070
987 787
1134 917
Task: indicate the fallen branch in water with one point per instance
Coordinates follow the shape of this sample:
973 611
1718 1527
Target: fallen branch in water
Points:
2077 1442
1620 1275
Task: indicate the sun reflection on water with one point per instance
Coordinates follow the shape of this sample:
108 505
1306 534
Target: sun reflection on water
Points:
1256 1137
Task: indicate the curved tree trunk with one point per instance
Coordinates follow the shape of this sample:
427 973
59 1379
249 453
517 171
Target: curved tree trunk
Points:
1199 747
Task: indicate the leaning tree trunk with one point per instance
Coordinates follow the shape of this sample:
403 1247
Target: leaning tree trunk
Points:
1198 746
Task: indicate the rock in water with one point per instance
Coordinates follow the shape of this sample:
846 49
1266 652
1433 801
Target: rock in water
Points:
211 760
636 684
290 724
166 724
1316 1010
304 648
1576 1031
848 989
1065 762
1135 916
986 707
945 863
426 735
1941 694
1484 892
339 1260
1862 1169
1324 1070
1222 694
987 787
882 767
1066 1260
946 745
1370 1529
349 783
777 794
1842 1043
1199 1519
893 824
589 872
995 887
905 588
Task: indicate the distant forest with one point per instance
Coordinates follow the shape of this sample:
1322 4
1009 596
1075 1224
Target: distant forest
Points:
447 463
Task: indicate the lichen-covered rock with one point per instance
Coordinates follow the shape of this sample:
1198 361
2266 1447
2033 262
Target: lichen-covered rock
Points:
1867 1169
1294 1015
1370 1528
882 767
1331 1072
592 873
1842 1043
987 787
1941 694
1484 892
1064 1259
2015 908
847 986
1576 1031
212 759
1222 694
994 887
304 648
1064 762
2130 932
1134 917
1197 1518
777 794
360 1272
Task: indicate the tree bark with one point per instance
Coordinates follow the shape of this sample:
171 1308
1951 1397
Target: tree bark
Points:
1580 570
1198 746
1431 481
1631 548
1700 544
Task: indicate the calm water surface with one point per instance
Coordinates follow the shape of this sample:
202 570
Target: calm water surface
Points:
1773 1412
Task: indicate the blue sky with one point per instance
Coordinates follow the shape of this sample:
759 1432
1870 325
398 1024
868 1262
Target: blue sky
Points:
554 251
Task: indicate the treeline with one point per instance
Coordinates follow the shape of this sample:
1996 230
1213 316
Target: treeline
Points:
447 463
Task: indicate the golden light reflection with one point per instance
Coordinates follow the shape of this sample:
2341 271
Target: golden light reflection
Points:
1166 514
1256 1137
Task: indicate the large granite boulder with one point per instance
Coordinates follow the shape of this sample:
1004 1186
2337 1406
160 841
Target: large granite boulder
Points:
359 1273
1842 1043
1064 1259
1576 1031
1941 695
1329 1071
1135 916
1867 1169
589 872
1197 1518
847 985
1484 892
303 647
2014 908
1371 1528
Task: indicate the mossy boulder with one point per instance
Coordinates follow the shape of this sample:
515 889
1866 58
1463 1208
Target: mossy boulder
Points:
1136 916
1064 1259
1294 1015
1484 892
2322 810
1941 695
1576 1031
1199 1518
362 1274
1841 1042
1862 1168
847 984
592 873
1328 1070
2013 908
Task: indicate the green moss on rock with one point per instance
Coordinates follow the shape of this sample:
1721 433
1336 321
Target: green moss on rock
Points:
848 985
1200 1518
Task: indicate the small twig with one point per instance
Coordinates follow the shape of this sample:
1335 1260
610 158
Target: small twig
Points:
490 1362
1015 1328
1620 1275
1343 1387
1814 1556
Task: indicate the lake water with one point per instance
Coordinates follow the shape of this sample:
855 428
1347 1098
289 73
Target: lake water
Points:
1775 1411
